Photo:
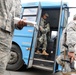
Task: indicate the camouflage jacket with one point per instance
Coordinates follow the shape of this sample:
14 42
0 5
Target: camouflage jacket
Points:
46 27
8 10
70 37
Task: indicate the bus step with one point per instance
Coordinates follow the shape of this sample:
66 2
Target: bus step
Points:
40 56
43 68
43 60
43 63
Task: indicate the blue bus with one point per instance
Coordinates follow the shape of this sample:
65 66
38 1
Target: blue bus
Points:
24 41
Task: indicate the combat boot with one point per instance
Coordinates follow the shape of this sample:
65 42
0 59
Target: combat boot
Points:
44 53
37 51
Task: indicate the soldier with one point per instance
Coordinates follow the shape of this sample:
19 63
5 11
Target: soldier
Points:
8 10
42 38
70 41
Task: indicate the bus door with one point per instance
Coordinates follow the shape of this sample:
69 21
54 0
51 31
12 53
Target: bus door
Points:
31 12
64 14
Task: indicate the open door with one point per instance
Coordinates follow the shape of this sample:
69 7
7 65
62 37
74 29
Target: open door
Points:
31 12
64 12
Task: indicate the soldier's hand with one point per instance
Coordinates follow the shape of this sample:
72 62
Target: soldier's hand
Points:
22 23
41 28
71 55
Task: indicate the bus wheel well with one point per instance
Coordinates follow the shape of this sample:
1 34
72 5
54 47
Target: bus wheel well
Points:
16 45
15 62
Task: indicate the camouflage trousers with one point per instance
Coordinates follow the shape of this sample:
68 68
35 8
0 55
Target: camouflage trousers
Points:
42 40
66 67
5 45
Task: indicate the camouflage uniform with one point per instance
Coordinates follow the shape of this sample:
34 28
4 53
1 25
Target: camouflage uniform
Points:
70 31
7 13
42 39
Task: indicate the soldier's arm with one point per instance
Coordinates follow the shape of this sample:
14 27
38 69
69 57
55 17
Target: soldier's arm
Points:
71 40
46 29
71 37
21 23
62 41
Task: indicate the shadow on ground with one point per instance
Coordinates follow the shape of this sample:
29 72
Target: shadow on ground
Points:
35 71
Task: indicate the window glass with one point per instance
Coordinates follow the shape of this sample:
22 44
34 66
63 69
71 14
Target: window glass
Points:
30 18
30 11
53 34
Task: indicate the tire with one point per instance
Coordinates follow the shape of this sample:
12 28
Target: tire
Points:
15 62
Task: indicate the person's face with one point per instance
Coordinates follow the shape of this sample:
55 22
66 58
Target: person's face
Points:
45 17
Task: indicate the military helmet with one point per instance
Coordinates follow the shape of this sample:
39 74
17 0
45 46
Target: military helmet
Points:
46 15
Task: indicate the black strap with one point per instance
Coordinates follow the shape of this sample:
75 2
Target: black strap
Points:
4 30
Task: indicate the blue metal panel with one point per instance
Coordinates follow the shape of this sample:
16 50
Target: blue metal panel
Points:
52 4
25 53
60 32
45 4
26 31
30 4
23 41
26 38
